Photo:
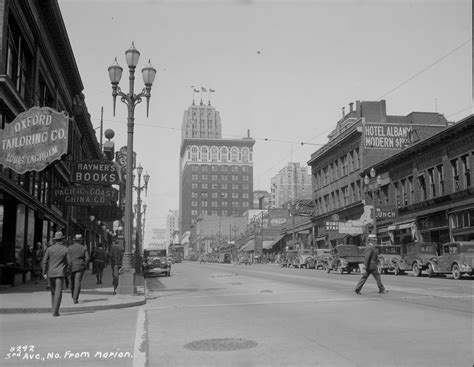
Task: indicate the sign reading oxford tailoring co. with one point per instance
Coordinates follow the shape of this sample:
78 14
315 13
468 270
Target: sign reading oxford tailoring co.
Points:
386 136
34 139
96 172
85 195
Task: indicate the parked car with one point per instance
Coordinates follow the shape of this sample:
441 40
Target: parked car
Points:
456 258
156 266
321 255
345 258
388 256
415 256
305 259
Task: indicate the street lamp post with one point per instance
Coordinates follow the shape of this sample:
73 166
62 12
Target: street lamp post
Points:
373 184
127 274
139 212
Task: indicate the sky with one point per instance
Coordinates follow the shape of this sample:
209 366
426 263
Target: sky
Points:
281 69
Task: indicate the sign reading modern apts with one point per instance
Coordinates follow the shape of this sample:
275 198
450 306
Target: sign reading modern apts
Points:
85 195
96 172
386 136
34 139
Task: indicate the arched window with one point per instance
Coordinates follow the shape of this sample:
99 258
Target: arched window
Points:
224 154
204 154
214 151
245 155
234 155
194 154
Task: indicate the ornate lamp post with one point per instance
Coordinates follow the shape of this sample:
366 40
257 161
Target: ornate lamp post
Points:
127 277
373 184
139 213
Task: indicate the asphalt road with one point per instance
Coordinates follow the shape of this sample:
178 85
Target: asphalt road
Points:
260 315
263 315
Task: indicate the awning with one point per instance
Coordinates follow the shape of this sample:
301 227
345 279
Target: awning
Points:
249 246
320 238
400 226
267 244
274 242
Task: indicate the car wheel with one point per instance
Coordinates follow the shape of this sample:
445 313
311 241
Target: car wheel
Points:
430 271
456 271
416 270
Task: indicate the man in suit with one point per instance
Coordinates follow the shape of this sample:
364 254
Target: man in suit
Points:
370 262
55 263
80 260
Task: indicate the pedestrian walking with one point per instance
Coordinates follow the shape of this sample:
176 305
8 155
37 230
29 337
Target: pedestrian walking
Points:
115 263
100 259
80 260
370 262
55 264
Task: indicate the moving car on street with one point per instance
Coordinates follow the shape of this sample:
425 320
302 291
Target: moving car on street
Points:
155 262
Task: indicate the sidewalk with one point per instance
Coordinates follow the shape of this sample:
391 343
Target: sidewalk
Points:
35 298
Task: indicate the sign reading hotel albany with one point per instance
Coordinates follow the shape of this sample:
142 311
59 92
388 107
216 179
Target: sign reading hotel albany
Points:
34 139
386 136
96 172
85 195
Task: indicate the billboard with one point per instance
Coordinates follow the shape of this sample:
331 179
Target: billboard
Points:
34 139
386 136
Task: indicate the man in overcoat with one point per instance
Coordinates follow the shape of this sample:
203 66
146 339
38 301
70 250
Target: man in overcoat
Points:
370 262
56 261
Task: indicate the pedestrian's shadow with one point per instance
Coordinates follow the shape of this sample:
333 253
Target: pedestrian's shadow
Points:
94 300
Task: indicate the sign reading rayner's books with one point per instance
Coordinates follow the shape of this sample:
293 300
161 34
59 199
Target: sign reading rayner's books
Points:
96 172
34 139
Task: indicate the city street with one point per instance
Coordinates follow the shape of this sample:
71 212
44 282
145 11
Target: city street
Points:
259 315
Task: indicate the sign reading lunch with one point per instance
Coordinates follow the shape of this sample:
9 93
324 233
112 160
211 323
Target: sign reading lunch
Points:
386 136
96 172
34 139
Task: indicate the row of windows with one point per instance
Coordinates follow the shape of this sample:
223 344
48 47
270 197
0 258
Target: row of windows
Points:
215 168
338 168
215 204
224 195
340 198
222 154
223 186
205 177
195 212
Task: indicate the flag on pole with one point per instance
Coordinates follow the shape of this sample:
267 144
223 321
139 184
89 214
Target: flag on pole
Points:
196 90
203 89
212 90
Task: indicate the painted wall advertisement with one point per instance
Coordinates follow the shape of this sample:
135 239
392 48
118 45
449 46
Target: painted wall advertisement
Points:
386 136
34 139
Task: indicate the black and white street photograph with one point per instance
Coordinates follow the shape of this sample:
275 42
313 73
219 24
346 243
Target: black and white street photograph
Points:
236 183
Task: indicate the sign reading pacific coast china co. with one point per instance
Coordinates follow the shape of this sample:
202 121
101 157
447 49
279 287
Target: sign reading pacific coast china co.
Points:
34 139
96 172
386 136
85 195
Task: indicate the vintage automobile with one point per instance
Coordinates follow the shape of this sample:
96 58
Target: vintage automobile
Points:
415 256
345 258
156 266
243 259
388 256
305 259
456 258
321 255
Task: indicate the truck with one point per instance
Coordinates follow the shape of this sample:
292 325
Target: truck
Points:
345 258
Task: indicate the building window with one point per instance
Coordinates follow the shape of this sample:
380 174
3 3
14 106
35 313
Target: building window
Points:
194 194
224 195
234 155
245 187
214 177
235 186
214 168
235 204
203 202
245 177
224 203
194 154
432 182
224 154
245 195
214 204
224 212
214 186
204 211
204 154
213 212
245 155
422 184
235 195
194 212
224 186
235 168
204 186
466 172
214 153
194 167
214 195
194 177
194 203
455 171
235 178
440 177
204 194
204 177
203 168
245 204
224 177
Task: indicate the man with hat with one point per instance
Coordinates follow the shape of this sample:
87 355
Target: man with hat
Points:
80 260
55 263
370 262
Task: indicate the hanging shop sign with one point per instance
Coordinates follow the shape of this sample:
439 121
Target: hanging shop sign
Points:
121 159
305 208
96 172
34 139
385 212
387 136
85 196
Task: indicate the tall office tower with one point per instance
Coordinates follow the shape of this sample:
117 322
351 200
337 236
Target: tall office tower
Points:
292 182
216 175
171 224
